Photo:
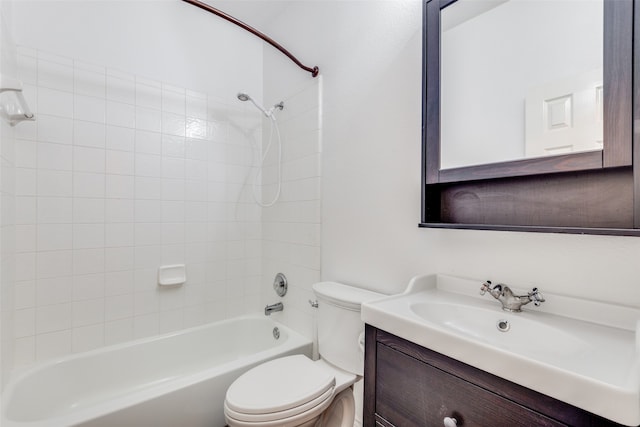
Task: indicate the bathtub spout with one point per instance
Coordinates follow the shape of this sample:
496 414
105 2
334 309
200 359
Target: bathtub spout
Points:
273 307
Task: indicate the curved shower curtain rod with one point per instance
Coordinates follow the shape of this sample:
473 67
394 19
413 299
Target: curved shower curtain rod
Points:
314 71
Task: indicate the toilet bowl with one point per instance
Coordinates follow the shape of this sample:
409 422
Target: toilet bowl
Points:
291 391
295 391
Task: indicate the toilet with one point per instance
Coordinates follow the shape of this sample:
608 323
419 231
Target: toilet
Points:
297 391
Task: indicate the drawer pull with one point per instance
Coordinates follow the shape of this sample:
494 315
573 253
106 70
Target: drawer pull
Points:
450 422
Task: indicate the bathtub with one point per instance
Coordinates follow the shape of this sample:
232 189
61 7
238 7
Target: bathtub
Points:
173 380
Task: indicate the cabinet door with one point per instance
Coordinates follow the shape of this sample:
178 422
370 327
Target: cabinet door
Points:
412 393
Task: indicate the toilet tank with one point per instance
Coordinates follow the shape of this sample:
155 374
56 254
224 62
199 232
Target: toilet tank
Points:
339 324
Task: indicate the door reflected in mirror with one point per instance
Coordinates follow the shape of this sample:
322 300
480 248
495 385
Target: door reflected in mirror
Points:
520 79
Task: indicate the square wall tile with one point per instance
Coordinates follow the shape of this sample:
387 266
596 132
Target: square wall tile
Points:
148 211
119 235
87 338
55 264
119 261
89 108
148 119
55 317
88 261
55 210
26 238
55 237
120 114
24 322
88 286
88 312
120 162
89 134
56 290
117 331
120 186
148 187
26 154
54 129
26 181
87 159
120 138
119 306
173 146
148 165
148 142
173 124
55 102
24 351
88 210
120 210
88 184
54 344
88 236
54 156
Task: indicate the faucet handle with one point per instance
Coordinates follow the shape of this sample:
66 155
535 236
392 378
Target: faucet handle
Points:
536 297
486 286
491 288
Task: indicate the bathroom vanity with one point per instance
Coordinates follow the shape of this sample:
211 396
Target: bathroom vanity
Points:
409 385
441 353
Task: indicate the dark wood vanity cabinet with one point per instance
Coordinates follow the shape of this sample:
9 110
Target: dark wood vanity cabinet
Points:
408 385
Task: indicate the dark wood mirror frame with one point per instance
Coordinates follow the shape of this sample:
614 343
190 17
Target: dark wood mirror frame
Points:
595 192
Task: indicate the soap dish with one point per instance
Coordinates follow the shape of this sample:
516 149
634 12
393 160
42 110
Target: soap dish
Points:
172 275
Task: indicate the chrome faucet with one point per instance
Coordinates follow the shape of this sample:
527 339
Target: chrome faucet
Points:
510 301
273 307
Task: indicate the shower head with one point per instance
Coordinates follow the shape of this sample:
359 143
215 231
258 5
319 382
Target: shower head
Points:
245 97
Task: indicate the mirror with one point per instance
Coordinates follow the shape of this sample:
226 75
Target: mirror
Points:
560 187
520 79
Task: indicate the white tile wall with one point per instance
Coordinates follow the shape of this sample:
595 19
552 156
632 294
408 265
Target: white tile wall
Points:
291 228
118 175
8 264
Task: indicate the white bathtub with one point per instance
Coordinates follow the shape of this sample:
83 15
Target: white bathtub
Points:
174 380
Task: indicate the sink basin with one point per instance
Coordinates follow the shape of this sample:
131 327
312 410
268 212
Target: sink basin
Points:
578 351
515 332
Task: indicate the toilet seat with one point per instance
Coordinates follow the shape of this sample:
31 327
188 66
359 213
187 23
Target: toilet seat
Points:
280 390
291 421
281 415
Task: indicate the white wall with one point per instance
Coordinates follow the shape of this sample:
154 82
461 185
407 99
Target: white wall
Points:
369 54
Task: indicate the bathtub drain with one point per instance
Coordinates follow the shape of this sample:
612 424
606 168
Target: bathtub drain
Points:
276 332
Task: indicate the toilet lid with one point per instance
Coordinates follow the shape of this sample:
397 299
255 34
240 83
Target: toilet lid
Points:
278 385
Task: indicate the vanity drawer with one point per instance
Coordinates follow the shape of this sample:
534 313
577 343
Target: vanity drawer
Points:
413 393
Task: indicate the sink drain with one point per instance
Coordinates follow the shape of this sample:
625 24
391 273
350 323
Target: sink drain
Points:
503 325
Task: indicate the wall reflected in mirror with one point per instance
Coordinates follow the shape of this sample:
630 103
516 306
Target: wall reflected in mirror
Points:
520 79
